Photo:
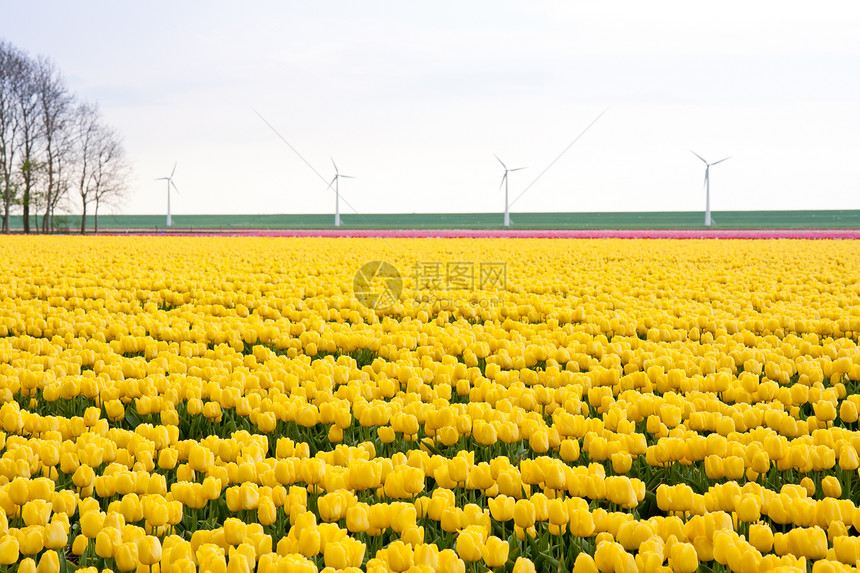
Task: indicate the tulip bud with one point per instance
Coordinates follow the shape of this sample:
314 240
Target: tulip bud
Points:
31 540
8 550
357 518
149 550
49 562
584 563
621 462
524 513
55 535
524 565
831 487
400 556
683 558
126 556
495 552
80 545
469 546
761 537
748 509
449 562
267 513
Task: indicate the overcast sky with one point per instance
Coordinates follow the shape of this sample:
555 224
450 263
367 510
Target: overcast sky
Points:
414 98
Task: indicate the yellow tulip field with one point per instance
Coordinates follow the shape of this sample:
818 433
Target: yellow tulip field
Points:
173 405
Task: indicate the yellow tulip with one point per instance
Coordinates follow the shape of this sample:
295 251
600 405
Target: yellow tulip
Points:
266 511
539 441
80 545
357 520
310 542
36 512
748 509
149 550
450 563
55 535
584 563
126 556
114 409
761 537
495 552
49 562
683 558
31 540
524 513
8 550
27 566
621 462
524 565
831 487
469 546
234 531
501 507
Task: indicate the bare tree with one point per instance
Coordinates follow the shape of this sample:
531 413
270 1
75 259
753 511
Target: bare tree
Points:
12 73
110 170
55 109
50 144
63 177
86 138
31 132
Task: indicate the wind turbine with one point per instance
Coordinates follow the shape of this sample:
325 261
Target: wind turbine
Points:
504 183
335 181
708 185
170 182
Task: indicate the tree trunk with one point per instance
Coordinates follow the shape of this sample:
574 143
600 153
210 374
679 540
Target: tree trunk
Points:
96 216
50 191
84 220
47 214
25 199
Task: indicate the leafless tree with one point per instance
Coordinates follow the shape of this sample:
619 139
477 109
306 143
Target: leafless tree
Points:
86 133
55 108
50 144
110 170
31 132
12 73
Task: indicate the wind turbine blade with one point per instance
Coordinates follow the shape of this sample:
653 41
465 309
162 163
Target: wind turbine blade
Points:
174 169
282 138
721 160
553 162
518 169
335 164
347 176
502 184
311 167
505 167
174 186
699 156
161 179
333 179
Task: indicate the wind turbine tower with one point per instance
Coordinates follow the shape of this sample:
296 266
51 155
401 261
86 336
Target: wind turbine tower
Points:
170 183
708 185
335 181
507 220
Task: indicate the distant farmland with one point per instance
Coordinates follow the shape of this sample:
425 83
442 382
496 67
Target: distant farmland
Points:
648 220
